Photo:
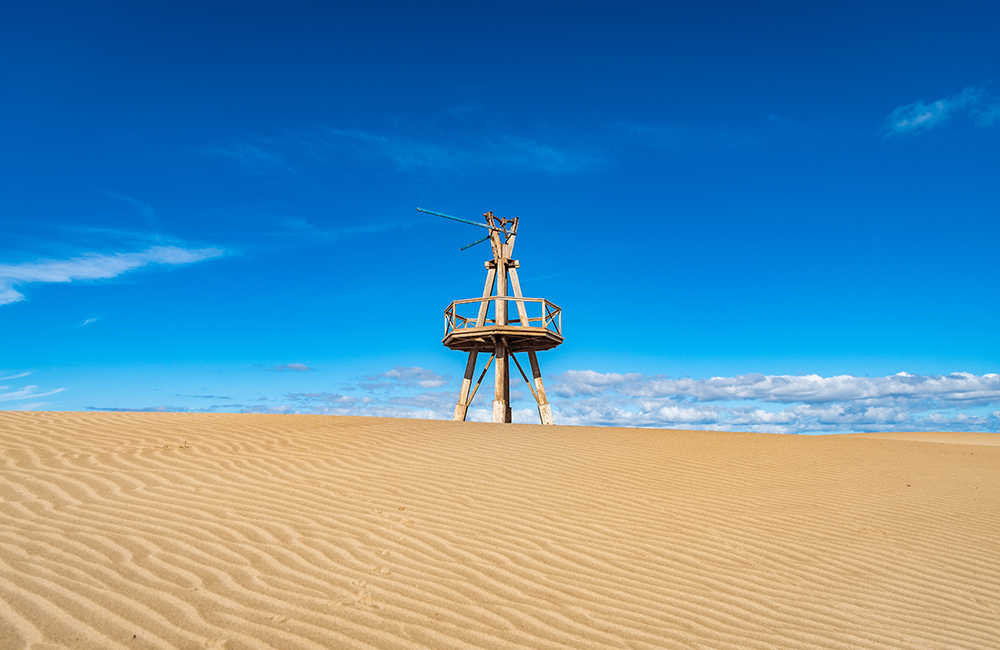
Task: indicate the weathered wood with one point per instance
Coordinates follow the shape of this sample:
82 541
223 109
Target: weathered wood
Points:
501 394
500 308
509 246
518 338
484 306
544 410
463 399
524 376
505 336
515 284
476 389
506 385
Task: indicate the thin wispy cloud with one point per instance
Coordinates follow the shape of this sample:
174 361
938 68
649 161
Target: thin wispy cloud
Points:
467 147
677 139
328 399
86 321
146 409
437 405
296 367
298 151
145 210
301 227
7 394
401 377
258 156
16 395
978 103
94 266
408 392
165 408
474 151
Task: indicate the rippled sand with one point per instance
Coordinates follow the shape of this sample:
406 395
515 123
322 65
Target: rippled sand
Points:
287 531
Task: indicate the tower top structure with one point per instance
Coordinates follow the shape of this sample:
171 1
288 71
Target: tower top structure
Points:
484 324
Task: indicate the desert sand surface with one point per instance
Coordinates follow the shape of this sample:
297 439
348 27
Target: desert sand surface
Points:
127 530
940 437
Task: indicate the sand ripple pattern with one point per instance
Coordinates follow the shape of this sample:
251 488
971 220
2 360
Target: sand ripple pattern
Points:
122 530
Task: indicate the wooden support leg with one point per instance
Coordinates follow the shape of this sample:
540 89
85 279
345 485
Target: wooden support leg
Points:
463 399
501 396
544 409
506 391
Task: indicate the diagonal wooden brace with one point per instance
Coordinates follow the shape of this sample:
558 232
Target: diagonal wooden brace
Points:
463 399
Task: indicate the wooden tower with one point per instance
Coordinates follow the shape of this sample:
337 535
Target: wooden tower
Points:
480 325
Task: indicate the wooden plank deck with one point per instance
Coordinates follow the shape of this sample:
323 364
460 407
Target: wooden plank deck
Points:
519 339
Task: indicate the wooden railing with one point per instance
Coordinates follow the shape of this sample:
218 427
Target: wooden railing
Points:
484 314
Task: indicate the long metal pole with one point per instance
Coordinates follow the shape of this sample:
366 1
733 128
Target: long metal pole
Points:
448 216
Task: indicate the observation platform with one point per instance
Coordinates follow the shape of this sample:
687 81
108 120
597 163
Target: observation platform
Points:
476 325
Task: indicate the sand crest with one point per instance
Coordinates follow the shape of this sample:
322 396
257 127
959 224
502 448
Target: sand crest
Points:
279 531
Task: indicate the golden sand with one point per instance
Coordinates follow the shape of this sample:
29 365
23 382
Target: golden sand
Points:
294 531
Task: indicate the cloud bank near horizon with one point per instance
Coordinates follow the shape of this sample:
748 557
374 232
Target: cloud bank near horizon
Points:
811 403
94 266
754 402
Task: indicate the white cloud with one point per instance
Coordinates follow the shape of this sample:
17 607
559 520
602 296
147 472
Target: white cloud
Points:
754 402
975 101
400 377
94 266
840 403
298 367
961 387
328 399
284 408
147 409
28 392
399 392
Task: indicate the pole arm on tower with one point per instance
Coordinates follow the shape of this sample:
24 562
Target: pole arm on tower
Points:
478 241
448 216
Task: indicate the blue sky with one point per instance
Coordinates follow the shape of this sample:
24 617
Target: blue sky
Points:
754 216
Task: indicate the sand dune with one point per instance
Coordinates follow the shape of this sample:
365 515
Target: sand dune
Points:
263 531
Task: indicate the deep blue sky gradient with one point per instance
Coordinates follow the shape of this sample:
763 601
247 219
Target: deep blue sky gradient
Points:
705 188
